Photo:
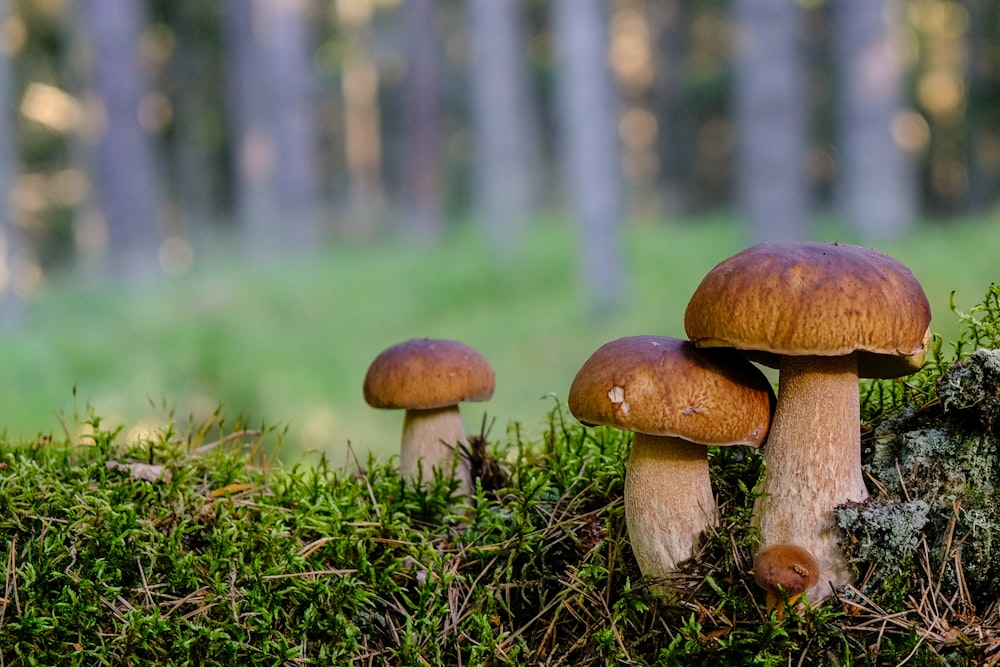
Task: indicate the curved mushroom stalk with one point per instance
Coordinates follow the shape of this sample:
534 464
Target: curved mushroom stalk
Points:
433 440
817 405
666 519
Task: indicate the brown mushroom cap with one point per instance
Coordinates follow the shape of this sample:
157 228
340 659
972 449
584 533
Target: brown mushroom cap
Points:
665 386
817 299
785 567
426 373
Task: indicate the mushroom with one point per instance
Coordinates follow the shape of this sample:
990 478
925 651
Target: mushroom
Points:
823 314
675 399
785 572
429 378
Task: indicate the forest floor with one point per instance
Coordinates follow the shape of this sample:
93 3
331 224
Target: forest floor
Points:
191 546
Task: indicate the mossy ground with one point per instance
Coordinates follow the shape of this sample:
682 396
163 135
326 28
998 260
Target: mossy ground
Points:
191 548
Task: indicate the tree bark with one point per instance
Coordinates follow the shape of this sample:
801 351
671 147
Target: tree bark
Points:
11 304
199 187
982 114
268 49
423 184
771 120
124 160
875 181
506 136
362 131
676 130
591 155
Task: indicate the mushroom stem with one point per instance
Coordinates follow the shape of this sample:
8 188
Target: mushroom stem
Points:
775 602
813 461
668 501
772 599
430 440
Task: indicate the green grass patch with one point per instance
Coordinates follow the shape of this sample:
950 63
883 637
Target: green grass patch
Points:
292 340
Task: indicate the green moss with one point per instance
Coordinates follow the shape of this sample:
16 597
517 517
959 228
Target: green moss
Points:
214 557
942 449
970 391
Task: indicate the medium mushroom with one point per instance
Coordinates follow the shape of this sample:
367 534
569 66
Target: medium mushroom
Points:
785 572
429 378
676 400
823 314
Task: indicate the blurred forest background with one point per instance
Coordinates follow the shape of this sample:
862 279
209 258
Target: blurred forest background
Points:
145 140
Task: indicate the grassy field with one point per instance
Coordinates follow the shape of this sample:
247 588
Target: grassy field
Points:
289 343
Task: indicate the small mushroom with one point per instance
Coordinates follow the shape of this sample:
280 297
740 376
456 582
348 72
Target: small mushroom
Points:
823 314
785 572
676 399
429 378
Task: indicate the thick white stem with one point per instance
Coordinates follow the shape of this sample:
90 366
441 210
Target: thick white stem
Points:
813 459
668 502
432 439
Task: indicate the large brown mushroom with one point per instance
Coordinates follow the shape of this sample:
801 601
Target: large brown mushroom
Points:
676 400
429 378
823 314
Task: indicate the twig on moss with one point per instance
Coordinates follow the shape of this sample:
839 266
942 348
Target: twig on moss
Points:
229 437
10 582
310 573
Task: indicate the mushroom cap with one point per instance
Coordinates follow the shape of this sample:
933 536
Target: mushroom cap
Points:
665 386
427 373
785 567
819 299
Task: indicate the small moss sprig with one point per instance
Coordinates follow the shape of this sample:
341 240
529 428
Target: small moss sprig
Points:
982 323
977 329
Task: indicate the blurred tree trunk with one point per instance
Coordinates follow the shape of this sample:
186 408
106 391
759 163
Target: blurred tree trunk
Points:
270 60
11 305
506 136
196 158
124 161
770 110
423 179
982 109
362 134
875 182
591 155
676 129
633 42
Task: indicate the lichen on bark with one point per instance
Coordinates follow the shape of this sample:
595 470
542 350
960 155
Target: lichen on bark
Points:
937 467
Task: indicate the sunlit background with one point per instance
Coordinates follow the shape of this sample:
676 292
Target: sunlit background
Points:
241 202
